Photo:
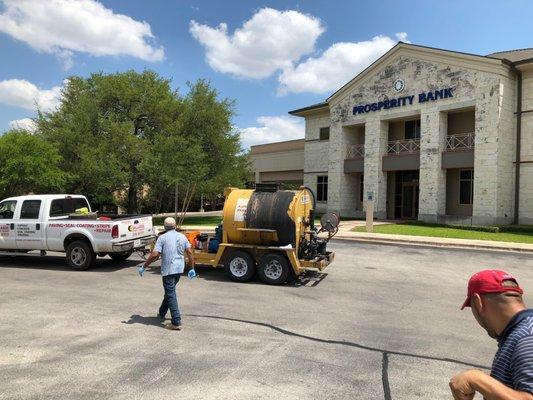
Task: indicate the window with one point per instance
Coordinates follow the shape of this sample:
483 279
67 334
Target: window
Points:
30 209
324 133
7 209
466 186
412 129
64 207
362 188
322 188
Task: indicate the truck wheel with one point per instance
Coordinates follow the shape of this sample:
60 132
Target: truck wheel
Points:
240 266
80 255
274 269
123 256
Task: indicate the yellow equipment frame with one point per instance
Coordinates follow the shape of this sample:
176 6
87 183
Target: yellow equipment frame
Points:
299 266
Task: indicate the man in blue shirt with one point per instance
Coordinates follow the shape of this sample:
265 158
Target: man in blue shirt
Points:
496 302
171 246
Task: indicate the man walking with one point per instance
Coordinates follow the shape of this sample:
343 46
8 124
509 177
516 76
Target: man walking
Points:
496 302
171 246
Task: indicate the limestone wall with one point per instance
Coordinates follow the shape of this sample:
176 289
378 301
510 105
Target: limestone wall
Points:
526 168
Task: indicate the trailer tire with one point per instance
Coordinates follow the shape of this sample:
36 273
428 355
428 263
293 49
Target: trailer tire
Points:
274 269
240 266
122 256
80 255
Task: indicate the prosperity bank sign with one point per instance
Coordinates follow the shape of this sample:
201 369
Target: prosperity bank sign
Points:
423 97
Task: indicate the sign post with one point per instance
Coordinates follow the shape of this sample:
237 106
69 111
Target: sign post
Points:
370 212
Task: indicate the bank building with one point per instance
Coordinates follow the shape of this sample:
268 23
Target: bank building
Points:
428 134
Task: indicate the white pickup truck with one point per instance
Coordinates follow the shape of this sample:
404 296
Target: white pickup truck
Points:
49 223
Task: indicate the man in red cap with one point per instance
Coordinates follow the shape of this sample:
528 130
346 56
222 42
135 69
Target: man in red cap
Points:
496 302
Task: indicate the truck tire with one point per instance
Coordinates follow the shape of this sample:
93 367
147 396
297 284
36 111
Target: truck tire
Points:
80 255
240 266
274 269
123 256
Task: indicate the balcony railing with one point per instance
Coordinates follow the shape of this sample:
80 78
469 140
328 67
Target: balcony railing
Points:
461 141
355 151
407 146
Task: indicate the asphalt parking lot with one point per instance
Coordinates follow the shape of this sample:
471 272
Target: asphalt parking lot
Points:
383 322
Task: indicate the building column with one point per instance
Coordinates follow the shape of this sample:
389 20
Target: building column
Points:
432 198
336 180
485 160
376 136
257 177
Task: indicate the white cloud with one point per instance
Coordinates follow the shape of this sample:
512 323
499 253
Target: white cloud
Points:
62 27
335 66
24 94
273 129
26 124
270 41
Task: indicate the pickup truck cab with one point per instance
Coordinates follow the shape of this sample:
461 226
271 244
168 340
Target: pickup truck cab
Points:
49 223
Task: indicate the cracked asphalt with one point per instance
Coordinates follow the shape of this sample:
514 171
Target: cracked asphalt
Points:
383 322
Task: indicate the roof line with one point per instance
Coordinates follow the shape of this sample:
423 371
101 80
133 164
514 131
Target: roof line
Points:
309 108
509 51
408 45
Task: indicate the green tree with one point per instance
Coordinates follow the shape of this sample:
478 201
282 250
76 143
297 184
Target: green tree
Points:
131 133
209 120
28 164
107 125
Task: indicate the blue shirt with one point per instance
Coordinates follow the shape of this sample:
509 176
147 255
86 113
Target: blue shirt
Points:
172 245
513 363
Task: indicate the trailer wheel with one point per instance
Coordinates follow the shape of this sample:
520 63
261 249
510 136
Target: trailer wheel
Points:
80 255
274 269
240 266
122 256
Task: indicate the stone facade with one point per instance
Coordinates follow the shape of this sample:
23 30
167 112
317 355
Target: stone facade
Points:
526 167
485 87
316 152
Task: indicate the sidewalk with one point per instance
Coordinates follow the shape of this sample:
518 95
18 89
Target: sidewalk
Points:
345 233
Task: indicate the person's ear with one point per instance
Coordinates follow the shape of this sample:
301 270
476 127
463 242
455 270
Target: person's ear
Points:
476 302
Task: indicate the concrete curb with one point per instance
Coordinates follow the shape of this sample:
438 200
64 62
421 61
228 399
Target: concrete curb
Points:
424 241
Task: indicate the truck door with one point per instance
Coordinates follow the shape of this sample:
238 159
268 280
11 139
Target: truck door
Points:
7 225
28 229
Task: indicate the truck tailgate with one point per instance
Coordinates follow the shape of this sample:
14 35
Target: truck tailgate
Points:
134 228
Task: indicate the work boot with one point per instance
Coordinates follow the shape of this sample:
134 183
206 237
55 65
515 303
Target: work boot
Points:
173 327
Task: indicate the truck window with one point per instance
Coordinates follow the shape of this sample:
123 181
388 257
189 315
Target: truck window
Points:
7 209
64 207
30 209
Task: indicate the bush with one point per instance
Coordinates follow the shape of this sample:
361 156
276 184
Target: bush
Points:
492 229
517 229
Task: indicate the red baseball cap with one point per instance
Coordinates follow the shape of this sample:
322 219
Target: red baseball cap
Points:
490 281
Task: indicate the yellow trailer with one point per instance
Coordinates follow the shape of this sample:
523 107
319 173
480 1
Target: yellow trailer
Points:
270 232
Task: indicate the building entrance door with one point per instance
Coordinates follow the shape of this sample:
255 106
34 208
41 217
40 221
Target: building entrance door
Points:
409 200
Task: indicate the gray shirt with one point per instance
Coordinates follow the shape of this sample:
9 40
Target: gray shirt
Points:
172 245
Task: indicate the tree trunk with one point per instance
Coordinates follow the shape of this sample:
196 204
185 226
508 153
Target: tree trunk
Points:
133 201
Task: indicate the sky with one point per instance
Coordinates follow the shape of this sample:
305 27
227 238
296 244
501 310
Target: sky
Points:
269 56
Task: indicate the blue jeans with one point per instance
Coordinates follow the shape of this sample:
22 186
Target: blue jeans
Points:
170 300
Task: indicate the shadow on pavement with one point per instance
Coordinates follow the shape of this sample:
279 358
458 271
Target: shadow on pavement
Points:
59 263
139 319
308 279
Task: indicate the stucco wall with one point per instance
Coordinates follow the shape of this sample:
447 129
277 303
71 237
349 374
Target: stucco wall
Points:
452 195
278 161
461 122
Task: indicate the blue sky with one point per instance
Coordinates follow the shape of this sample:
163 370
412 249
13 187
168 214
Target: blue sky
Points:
271 56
